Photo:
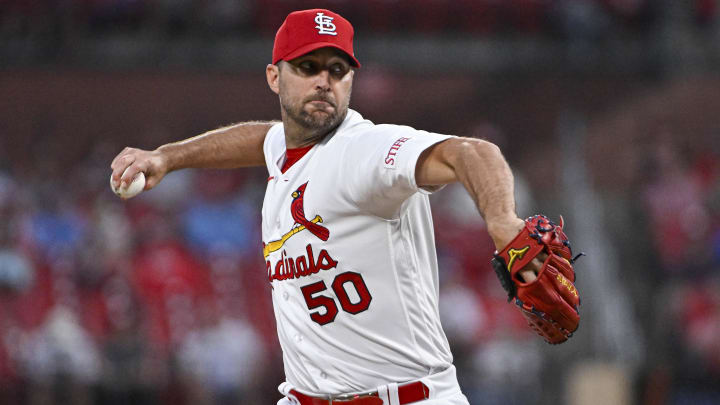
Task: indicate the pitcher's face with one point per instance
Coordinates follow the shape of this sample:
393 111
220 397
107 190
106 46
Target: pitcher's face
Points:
315 89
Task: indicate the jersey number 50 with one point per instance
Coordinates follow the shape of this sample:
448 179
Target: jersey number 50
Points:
338 286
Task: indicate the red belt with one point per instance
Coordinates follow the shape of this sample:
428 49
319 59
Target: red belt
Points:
407 394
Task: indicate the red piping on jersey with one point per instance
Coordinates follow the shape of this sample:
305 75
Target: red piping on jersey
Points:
293 155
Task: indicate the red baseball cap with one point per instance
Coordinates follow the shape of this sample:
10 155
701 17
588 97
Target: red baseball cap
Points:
307 30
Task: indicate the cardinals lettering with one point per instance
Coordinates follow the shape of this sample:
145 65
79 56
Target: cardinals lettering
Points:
304 265
301 266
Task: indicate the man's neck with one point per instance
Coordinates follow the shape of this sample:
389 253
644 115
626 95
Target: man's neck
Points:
298 136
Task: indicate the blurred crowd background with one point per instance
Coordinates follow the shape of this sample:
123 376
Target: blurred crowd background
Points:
607 110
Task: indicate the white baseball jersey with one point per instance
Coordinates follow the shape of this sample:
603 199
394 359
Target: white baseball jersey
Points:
350 254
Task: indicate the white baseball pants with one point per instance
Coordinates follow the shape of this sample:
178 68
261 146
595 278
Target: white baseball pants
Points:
444 390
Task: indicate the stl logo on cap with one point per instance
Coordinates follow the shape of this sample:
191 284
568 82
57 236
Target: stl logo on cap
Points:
304 31
324 24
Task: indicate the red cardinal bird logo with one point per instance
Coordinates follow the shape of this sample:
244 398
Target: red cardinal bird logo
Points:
298 213
301 223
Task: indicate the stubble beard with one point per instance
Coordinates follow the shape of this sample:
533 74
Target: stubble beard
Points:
316 124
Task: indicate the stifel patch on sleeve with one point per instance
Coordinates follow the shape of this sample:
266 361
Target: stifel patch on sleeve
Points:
391 155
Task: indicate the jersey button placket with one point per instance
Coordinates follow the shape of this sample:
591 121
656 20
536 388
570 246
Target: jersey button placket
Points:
285 295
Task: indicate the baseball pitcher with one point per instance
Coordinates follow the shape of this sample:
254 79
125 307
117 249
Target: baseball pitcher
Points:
347 231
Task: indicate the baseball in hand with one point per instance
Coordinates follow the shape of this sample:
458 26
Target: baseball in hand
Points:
134 188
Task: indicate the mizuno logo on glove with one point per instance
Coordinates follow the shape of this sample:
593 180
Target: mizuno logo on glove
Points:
516 254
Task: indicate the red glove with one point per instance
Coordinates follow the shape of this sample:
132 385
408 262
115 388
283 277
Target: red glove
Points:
550 302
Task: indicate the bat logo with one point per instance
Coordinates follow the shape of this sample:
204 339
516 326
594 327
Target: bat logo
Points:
297 210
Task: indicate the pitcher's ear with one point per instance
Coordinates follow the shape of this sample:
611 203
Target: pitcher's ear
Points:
272 72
